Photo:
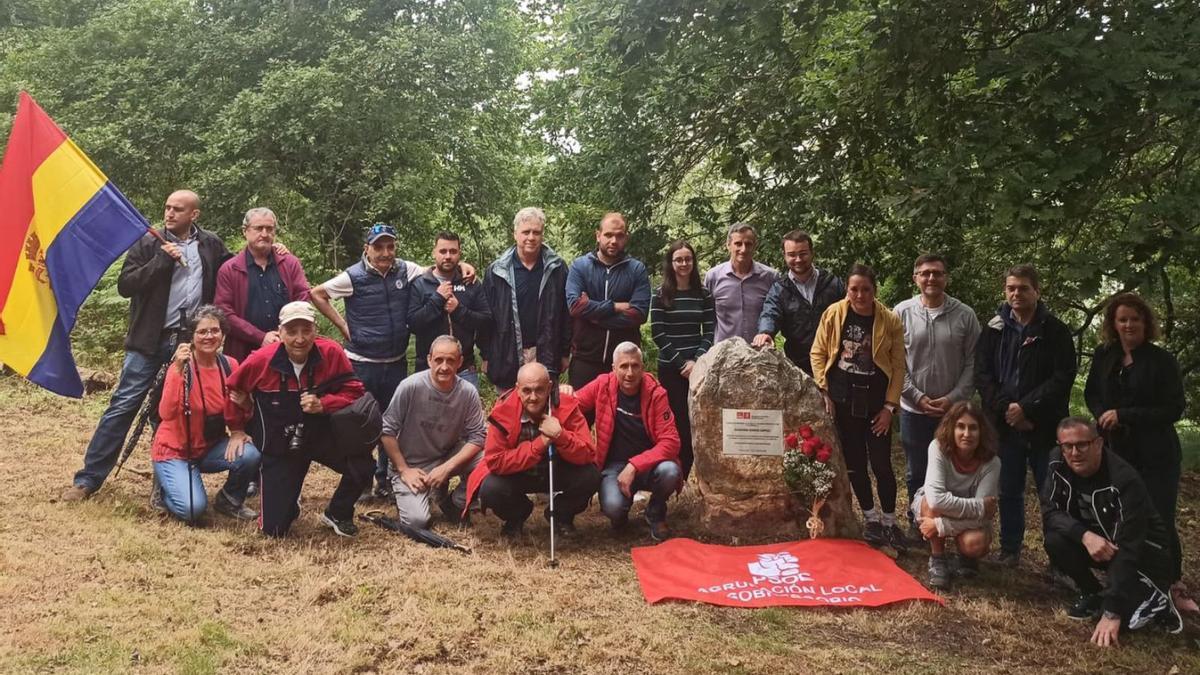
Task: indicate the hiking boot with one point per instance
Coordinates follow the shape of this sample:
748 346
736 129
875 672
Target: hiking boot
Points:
1008 558
512 530
895 537
1086 606
965 568
452 514
659 530
225 506
252 489
939 572
156 496
343 528
76 493
873 533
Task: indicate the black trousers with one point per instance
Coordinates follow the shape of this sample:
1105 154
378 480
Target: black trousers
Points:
282 476
859 445
506 495
677 396
1162 485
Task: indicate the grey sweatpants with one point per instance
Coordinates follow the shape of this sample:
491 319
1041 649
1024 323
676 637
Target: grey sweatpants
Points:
413 507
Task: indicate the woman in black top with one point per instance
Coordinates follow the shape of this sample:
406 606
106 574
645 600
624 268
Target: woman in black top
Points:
682 322
1135 391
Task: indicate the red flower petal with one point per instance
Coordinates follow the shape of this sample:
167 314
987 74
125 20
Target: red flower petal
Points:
791 441
806 431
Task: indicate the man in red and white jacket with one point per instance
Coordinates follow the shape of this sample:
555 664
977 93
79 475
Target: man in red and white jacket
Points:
515 459
271 399
637 444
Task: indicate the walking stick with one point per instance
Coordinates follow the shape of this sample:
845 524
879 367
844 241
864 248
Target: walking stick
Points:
550 456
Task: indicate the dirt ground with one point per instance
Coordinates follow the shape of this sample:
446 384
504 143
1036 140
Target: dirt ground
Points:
110 586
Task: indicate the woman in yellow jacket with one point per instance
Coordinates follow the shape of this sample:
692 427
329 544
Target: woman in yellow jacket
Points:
858 362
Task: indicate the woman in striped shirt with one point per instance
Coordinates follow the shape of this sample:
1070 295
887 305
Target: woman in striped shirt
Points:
682 321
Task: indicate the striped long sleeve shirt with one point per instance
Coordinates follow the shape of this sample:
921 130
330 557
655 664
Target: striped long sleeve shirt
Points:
685 331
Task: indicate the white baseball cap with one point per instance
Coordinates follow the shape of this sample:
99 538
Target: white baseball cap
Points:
297 310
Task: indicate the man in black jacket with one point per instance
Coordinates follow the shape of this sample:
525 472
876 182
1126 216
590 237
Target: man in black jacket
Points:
1024 368
1096 514
526 291
796 301
160 279
443 303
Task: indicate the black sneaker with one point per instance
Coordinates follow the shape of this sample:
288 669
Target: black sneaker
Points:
659 530
873 533
512 529
939 572
966 568
564 529
895 537
1086 606
1008 558
383 489
225 506
343 528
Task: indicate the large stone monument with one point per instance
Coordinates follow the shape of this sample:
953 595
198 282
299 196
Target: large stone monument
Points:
743 401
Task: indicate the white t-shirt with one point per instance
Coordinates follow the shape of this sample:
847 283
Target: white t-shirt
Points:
342 287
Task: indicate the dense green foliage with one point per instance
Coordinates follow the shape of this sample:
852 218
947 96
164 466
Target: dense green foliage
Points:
1060 133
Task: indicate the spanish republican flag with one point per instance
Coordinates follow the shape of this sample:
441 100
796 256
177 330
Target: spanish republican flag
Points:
61 225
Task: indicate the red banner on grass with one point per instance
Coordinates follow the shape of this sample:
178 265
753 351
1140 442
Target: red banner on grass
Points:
814 573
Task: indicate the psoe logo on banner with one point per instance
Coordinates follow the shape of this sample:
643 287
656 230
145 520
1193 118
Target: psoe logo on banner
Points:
775 566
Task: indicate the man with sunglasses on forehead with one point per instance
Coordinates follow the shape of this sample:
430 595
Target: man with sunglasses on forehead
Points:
377 296
1097 515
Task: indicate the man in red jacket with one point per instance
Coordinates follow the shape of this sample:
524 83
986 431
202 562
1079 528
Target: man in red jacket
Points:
271 399
515 462
637 444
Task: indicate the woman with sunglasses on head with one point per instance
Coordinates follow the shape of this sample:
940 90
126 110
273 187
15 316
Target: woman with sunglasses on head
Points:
192 438
958 499
1135 391
682 323
858 362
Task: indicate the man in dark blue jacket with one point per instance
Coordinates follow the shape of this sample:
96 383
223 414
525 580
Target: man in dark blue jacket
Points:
608 294
442 303
796 301
1024 369
526 291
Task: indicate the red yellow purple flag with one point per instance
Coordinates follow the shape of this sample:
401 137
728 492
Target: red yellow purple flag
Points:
62 223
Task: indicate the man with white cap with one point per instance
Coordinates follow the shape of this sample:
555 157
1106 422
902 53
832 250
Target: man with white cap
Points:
272 399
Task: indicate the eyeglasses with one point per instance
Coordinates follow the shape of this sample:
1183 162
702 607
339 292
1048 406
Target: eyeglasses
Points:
208 332
931 274
1078 447
682 261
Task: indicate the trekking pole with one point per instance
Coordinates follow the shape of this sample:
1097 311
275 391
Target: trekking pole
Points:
550 457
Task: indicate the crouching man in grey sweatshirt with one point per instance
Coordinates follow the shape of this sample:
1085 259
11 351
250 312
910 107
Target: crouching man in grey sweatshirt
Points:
939 345
433 430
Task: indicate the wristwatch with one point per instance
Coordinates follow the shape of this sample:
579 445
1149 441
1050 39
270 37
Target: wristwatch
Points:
891 407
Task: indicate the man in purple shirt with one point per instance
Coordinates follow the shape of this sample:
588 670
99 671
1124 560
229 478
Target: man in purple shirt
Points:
739 286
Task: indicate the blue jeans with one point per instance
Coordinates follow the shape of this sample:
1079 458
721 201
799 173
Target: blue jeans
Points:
916 432
183 491
137 376
471 377
661 481
1017 453
381 379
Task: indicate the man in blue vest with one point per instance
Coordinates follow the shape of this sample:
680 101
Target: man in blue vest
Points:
376 295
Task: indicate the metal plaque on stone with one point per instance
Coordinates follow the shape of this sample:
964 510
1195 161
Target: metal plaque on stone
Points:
746 433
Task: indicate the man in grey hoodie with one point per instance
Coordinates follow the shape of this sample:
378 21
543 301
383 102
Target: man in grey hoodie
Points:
939 345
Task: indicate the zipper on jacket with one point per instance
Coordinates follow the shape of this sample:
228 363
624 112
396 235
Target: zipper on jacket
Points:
607 332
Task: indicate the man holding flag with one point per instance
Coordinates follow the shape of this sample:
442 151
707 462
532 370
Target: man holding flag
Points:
62 224
160 278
